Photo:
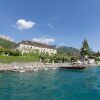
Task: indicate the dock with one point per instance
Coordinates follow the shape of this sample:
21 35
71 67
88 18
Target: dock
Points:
72 66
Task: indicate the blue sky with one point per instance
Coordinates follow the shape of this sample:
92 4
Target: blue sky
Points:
61 22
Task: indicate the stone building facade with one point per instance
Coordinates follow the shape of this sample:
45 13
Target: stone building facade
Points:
29 46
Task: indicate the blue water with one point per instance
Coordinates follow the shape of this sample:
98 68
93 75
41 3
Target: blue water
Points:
51 85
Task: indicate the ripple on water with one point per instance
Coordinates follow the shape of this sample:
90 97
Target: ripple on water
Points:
51 85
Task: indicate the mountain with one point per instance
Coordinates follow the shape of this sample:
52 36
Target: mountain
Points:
7 44
65 49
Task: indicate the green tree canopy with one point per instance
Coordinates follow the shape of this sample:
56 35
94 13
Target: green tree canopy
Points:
85 50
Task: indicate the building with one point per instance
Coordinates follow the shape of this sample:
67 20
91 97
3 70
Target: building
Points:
91 61
30 46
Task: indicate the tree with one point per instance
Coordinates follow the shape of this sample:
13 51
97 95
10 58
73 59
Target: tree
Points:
74 59
85 50
42 57
13 53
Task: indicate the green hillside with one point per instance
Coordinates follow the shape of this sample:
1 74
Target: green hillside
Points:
65 49
7 44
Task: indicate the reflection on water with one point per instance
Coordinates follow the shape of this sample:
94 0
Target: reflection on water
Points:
51 85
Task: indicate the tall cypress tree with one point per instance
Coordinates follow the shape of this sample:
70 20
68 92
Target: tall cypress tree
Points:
85 50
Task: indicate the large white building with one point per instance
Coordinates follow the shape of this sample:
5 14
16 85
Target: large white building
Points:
29 46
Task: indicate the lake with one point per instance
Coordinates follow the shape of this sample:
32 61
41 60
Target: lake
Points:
51 85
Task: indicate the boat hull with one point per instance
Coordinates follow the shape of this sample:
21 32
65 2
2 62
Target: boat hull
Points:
73 67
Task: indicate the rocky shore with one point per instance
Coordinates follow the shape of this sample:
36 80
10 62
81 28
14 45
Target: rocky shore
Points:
31 66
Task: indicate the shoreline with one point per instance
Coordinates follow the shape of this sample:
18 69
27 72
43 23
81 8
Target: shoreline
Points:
34 66
27 66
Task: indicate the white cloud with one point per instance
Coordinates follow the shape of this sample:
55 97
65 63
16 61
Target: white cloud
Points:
23 24
44 40
51 26
6 37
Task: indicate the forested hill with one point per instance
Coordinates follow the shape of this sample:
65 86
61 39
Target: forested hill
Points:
7 44
65 49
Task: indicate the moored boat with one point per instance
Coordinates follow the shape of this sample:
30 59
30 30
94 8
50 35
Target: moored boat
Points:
74 67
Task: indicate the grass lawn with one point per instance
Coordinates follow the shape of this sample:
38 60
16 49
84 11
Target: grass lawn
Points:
10 59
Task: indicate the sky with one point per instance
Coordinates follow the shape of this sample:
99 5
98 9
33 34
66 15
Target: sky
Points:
59 22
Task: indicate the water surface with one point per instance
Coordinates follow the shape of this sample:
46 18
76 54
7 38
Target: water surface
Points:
51 85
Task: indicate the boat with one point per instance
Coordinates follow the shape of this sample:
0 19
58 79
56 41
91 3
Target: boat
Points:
74 67
14 70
